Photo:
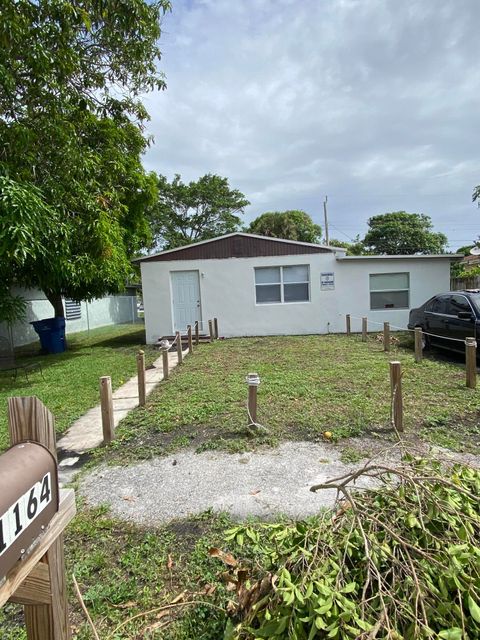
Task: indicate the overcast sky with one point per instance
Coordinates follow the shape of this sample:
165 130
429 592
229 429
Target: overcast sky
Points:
373 102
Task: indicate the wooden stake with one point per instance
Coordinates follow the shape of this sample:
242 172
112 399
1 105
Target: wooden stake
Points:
349 324
215 326
364 329
106 403
29 419
396 394
418 344
189 336
386 336
197 333
165 363
211 330
471 362
142 389
179 347
252 402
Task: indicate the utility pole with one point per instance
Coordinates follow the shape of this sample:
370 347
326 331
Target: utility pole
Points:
326 219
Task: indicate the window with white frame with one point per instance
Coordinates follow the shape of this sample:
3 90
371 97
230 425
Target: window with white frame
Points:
389 290
282 284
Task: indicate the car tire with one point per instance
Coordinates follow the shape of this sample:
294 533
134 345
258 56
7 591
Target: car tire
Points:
426 344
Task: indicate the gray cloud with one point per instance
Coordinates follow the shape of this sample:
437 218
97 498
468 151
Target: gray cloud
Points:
373 102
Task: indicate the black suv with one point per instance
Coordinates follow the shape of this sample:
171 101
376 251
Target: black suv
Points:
448 315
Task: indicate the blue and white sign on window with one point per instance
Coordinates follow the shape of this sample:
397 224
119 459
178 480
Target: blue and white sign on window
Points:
327 281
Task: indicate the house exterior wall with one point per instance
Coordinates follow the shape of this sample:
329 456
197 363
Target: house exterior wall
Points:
427 277
98 313
227 291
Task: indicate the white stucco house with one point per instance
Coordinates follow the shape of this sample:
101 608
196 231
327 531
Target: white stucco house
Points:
266 286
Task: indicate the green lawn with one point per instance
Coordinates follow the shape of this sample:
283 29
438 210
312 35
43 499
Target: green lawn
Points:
125 571
309 385
70 387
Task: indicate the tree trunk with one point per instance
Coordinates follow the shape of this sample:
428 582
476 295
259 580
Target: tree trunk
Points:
56 301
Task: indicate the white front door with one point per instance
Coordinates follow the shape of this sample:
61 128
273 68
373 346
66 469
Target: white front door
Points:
185 299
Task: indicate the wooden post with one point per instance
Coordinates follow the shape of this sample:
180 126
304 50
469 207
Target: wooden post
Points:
396 394
106 403
252 403
29 419
471 362
364 329
418 344
349 324
253 380
179 347
215 326
189 337
197 333
386 336
142 389
211 330
165 362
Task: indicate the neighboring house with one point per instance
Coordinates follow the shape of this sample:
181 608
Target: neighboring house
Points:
470 261
267 286
79 316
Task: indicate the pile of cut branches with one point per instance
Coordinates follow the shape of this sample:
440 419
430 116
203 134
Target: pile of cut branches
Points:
399 561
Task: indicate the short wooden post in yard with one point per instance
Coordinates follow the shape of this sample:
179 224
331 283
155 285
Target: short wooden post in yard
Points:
396 394
386 336
197 333
349 324
106 403
364 329
189 337
211 330
471 362
38 580
215 326
165 362
142 390
418 344
253 380
179 347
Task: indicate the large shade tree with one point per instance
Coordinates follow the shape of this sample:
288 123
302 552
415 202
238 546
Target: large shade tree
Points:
72 188
200 210
401 233
291 225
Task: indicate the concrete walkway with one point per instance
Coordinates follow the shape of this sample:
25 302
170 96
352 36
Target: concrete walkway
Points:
86 432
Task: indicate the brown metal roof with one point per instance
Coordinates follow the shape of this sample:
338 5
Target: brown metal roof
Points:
238 245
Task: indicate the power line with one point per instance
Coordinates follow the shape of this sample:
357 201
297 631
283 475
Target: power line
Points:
343 233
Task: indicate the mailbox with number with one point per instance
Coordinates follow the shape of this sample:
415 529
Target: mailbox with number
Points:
28 499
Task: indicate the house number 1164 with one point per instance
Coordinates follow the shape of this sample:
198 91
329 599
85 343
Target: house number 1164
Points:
20 514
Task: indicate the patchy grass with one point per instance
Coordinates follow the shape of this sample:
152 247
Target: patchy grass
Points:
70 386
124 570
310 384
351 455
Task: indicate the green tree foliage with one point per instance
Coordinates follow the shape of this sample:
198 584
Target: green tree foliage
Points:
466 249
400 561
186 213
355 248
73 190
291 225
476 194
401 233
